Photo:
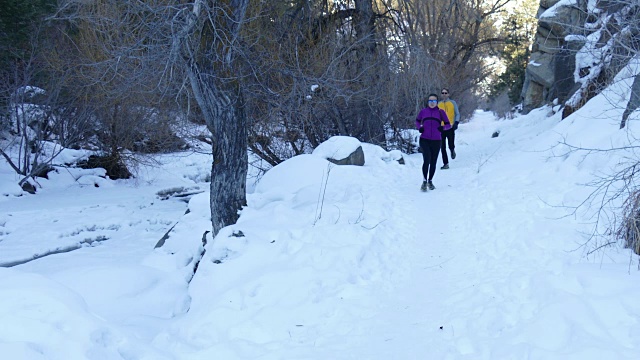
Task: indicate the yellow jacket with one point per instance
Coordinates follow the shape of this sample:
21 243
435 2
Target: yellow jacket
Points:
451 108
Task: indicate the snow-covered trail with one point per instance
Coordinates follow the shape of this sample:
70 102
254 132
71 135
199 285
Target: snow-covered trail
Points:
464 249
483 267
427 265
493 272
361 266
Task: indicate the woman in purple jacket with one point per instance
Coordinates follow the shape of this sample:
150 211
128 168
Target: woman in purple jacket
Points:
430 122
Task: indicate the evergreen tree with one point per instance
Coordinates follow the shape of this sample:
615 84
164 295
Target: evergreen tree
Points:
18 18
520 28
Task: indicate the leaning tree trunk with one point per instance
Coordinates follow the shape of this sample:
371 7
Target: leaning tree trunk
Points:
223 113
221 103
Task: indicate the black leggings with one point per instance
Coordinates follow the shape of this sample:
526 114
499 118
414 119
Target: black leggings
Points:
450 137
430 151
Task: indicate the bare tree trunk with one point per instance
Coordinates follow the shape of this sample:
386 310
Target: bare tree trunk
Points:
225 118
223 111
201 40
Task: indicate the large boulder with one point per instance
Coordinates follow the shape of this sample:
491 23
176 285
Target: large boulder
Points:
341 150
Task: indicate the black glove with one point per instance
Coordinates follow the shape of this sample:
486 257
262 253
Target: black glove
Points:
440 128
455 125
421 130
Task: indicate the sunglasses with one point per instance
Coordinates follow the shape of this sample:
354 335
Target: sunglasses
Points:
444 93
433 101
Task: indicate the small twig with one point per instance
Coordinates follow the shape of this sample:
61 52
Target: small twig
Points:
322 193
600 247
440 264
359 219
482 162
376 225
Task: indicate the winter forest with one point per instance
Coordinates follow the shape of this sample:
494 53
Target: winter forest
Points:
173 181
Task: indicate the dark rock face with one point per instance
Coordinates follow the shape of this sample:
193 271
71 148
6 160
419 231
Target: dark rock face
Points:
550 73
579 48
355 158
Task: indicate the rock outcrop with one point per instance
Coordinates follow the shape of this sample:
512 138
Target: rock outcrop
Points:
579 47
550 73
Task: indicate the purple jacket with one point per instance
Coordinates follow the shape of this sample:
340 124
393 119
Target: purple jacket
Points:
430 119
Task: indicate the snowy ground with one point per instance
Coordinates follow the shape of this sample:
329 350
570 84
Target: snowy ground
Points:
335 262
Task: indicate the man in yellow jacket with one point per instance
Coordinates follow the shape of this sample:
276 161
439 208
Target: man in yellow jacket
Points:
448 136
